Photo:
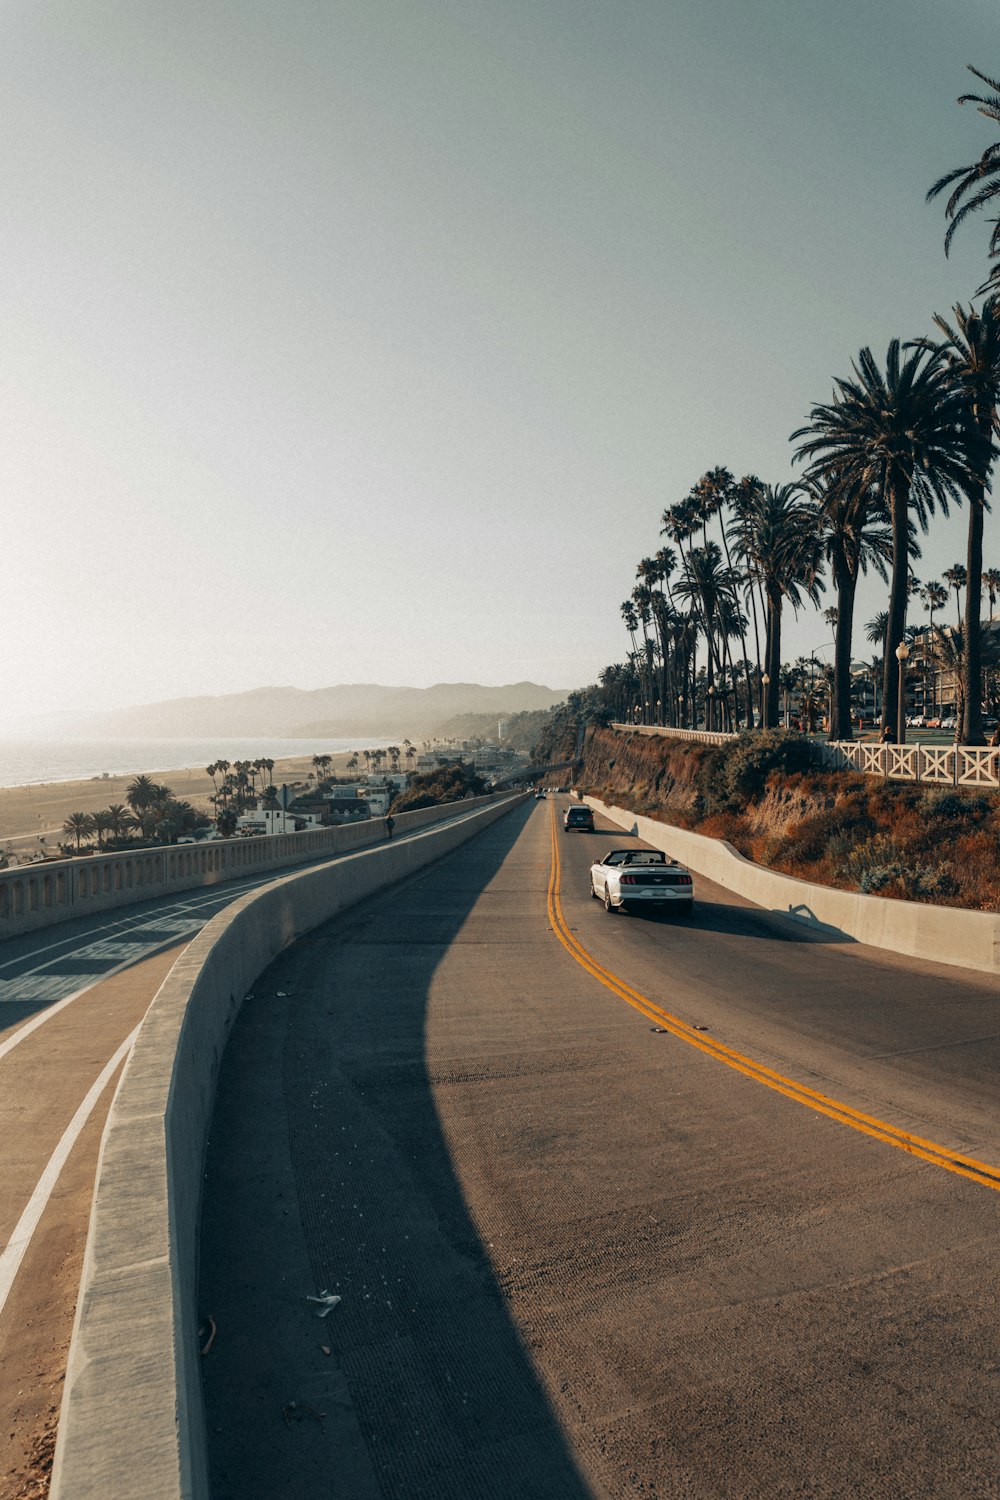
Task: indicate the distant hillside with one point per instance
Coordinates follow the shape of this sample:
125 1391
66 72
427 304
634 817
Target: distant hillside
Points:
357 709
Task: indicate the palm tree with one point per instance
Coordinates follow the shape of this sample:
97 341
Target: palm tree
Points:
777 541
905 434
142 795
972 352
935 596
120 820
853 534
975 186
101 822
991 583
80 825
956 578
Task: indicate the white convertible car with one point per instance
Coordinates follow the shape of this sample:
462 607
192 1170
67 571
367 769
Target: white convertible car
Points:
641 878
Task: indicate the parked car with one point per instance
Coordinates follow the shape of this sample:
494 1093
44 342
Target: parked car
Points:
949 722
579 817
632 879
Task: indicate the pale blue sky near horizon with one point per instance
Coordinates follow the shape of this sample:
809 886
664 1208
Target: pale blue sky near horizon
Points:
366 341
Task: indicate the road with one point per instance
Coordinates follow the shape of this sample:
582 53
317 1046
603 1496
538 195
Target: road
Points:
71 998
613 1206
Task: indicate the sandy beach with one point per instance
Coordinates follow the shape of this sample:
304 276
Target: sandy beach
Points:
30 812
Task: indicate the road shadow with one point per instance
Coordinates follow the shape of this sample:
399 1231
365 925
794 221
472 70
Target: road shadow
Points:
750 922
329 1172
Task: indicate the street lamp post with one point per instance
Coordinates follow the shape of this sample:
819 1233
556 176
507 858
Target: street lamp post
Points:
710 707
765 679
902 652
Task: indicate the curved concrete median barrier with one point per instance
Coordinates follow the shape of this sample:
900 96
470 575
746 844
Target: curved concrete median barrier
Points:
945 934
132 1424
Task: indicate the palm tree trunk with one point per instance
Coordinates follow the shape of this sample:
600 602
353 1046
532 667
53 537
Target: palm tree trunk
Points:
972 712
773 658
898 498
841 727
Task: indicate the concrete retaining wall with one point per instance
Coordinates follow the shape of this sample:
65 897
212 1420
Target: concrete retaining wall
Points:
132 1424
40 895
968 939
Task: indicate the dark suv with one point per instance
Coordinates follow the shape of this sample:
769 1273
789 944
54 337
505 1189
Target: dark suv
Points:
579 817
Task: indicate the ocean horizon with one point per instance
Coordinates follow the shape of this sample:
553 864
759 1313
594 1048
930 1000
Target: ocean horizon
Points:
38 762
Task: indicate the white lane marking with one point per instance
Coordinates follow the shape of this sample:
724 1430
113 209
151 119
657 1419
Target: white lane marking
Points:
53 1010
126 924
17 1245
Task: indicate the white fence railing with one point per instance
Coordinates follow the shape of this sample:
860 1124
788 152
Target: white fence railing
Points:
937 765
940 765
699 736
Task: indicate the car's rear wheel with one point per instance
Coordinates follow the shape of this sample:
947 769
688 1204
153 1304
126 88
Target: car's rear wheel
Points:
607 901
686 907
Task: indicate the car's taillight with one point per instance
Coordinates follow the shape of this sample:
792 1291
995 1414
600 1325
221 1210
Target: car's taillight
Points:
684 880
627 880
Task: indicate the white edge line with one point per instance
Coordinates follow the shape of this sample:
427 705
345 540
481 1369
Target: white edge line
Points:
53 1010
17 1245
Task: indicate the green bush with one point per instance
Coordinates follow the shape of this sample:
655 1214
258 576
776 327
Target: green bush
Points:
879 863
958 807
736 774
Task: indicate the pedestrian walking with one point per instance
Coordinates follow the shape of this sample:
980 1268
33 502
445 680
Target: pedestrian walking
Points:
390 824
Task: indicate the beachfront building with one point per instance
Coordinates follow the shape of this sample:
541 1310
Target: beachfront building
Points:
266 819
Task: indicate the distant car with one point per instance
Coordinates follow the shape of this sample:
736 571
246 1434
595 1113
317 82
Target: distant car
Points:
539 796
579 817
949 722
634 879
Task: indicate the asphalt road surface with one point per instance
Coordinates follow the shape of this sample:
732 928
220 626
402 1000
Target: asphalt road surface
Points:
577 1254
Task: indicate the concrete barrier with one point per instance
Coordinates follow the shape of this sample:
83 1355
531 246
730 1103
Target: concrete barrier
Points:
944 934
52 891
132 1424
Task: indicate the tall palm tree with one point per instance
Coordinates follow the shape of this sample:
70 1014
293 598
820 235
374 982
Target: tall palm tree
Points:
991 583
935 596
777 542
905 434
972 351
976 186
955 577
854 535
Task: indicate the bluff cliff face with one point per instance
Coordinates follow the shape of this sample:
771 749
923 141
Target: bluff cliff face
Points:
766 795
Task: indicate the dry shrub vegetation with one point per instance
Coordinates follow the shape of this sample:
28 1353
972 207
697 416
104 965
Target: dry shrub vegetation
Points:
766 795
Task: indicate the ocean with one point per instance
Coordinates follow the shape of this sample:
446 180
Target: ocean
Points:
29 762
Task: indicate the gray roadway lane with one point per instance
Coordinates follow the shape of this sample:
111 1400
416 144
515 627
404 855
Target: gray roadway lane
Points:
577 1257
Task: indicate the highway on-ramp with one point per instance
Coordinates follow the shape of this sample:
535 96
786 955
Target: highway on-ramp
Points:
508 1196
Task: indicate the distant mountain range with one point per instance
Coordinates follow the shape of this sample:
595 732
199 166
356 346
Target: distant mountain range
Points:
343 712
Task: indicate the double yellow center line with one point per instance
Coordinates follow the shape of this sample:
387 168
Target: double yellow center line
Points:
938 1156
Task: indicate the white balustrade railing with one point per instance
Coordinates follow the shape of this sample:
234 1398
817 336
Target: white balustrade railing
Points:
662 731
936 765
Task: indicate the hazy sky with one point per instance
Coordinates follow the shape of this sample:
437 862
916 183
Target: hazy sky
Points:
366 341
